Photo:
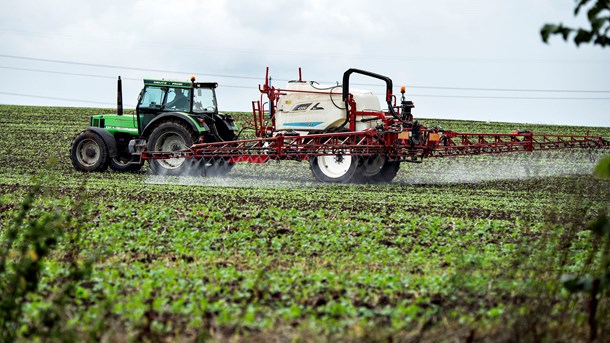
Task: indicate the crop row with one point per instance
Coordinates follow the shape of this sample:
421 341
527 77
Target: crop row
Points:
453 246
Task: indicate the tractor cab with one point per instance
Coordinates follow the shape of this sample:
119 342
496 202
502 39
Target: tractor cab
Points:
159 97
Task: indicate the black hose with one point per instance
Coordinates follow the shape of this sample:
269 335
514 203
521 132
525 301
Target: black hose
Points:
389 86
242 130
327 88
333 101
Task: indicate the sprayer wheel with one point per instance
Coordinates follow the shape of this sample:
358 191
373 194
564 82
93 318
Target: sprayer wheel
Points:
217 167
334 168
377 170
172 136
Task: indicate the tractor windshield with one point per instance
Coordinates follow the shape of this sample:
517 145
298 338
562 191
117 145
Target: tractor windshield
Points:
204 100
152 98
178 99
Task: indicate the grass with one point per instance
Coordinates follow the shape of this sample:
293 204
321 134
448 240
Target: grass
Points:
454 249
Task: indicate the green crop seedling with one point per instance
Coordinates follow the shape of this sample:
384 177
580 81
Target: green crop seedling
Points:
452 248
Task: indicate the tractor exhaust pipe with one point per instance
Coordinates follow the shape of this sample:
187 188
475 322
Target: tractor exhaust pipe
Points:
119 97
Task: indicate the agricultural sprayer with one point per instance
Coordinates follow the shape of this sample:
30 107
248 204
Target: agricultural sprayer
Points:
342 132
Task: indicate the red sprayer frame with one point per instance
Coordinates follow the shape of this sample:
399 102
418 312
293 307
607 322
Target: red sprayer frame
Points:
398 138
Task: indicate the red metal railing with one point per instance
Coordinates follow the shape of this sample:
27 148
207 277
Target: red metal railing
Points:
393 145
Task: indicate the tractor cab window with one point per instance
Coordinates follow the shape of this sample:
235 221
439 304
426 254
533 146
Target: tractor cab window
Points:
178 99
204 100
152 98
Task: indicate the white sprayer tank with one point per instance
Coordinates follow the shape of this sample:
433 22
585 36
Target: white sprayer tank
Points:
312 107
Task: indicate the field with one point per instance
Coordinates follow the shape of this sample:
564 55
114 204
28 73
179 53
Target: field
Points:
454 249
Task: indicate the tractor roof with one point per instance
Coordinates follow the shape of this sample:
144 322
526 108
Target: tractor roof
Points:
179 84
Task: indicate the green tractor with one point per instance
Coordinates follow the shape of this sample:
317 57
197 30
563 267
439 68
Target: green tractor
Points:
170 116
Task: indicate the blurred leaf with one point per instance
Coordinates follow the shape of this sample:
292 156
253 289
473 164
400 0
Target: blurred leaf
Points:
581 3
594 12
603 40
546 31
595 35
550 29
583 36
597 24
601 226
602 170
575 284
570 282
564 31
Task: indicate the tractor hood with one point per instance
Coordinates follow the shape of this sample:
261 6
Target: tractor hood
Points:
114 123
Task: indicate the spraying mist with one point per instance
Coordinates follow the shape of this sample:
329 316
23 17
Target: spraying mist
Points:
470 169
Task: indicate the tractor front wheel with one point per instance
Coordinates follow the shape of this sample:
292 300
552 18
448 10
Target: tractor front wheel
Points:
89 152
171 136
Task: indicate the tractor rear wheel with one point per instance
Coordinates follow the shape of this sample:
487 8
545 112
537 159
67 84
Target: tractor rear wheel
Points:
172 136
89 152
334 168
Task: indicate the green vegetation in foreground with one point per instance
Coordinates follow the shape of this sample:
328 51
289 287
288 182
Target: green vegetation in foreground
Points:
269 254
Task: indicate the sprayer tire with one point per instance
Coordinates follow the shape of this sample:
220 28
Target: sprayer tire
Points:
377 170
217 167
386 174
334 168
89 152
172 136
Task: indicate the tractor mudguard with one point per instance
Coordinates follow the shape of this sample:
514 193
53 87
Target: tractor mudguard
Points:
222 127
108 139
228 120
193 124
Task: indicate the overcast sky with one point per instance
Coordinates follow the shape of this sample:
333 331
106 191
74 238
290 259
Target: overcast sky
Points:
460 59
